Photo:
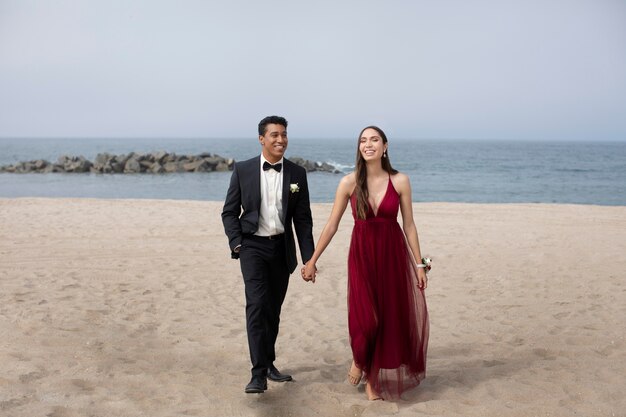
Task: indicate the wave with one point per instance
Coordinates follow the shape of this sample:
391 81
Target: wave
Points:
575 170
341 167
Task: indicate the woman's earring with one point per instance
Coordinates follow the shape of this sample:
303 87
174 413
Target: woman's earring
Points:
385 154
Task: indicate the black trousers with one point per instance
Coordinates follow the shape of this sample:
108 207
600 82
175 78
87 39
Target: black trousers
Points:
266 278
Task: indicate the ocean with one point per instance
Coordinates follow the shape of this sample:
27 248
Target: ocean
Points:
473 171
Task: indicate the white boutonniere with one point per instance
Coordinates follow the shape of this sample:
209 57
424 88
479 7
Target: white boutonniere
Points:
294 188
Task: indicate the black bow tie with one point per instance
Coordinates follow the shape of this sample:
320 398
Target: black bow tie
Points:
267 165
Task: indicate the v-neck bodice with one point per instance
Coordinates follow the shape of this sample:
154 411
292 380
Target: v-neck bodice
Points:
387 208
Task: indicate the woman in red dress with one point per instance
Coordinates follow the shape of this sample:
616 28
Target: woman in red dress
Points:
387 315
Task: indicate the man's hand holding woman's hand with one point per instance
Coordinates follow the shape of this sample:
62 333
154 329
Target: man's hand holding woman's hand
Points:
308 271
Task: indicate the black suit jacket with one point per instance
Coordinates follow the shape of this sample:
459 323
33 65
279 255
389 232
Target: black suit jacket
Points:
243 199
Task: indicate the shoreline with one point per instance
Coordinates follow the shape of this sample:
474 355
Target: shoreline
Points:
124 307
164 200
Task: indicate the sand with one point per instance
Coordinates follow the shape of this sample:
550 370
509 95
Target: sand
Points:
134 308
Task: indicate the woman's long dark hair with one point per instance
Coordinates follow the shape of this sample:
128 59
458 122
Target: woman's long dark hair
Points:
360 172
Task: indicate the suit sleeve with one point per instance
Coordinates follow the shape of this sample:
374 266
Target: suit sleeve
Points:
303 221
231 213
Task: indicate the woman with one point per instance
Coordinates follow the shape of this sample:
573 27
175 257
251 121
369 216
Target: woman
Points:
387 315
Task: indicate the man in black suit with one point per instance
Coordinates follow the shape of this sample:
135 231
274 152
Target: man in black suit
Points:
266 195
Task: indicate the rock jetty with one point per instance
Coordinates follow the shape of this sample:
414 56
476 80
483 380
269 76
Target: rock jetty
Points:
150 163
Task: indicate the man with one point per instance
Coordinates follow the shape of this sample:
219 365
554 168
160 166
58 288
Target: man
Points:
266 195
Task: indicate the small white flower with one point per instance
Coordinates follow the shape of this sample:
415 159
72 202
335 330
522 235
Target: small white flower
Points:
294 188
427 262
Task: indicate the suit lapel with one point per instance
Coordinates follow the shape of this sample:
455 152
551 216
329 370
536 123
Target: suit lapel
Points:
286 182
255 181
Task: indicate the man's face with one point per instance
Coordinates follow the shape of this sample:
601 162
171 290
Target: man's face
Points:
274 142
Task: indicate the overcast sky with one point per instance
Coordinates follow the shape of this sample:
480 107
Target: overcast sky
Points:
546 69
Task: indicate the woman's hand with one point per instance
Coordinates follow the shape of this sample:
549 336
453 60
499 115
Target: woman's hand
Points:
422 278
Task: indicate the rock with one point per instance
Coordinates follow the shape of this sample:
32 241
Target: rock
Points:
117 167
153 163
173 167
326 167
160 156
40 164
212 162
157 168
102 159
146 164
132 166
77 164
24 167
121 159
56 168
222 166
310 166
74 164
196 166
169 158
63 159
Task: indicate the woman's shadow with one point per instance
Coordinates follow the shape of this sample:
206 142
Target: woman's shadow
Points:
464 367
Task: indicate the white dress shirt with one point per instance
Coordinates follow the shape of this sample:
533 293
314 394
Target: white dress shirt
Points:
271 210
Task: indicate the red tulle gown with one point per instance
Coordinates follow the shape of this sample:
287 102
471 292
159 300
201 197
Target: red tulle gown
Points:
387 315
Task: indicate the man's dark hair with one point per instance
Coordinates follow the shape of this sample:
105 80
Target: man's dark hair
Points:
277 120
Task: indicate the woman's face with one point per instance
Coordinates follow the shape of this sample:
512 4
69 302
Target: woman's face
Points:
371 145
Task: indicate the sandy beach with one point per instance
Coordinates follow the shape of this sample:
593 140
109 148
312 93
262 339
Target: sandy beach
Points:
134 308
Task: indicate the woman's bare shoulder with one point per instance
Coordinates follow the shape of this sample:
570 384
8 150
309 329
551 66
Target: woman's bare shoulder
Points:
349 178
347 183
401 181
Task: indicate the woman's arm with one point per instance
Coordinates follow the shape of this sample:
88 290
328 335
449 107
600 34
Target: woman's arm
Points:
342 196
403 186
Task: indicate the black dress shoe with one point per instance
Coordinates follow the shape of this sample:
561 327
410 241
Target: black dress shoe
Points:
257 385
274 374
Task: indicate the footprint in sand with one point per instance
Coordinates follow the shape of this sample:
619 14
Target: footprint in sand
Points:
83 385
555 330
490 364
544 354
59 411
32 376
234 333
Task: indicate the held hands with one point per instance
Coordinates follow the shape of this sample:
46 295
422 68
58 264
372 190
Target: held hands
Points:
308 271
